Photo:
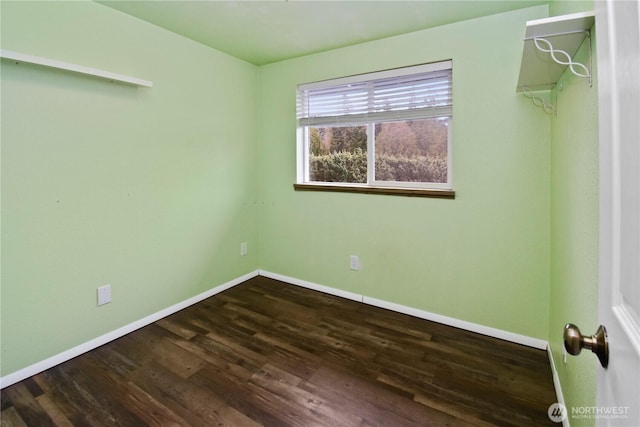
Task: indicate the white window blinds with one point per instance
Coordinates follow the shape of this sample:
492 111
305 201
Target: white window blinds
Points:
418 92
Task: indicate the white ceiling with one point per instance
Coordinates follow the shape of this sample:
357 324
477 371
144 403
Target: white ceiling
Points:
262 32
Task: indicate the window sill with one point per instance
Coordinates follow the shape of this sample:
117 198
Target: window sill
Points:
389 191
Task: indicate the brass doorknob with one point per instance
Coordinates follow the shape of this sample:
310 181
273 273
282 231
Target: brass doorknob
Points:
574 342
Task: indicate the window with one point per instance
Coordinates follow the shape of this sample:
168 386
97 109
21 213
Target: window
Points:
385 129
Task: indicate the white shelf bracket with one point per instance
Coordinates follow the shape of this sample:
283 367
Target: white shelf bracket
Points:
563 58
547 107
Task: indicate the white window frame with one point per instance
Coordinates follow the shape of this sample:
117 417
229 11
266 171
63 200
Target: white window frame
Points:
302 136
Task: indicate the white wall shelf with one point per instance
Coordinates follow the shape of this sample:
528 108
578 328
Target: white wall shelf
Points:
52 63
549 46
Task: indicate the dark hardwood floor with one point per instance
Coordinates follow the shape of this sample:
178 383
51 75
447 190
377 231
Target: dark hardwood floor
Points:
273 354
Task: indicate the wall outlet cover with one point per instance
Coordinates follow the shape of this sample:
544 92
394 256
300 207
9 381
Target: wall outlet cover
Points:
104 294
354 263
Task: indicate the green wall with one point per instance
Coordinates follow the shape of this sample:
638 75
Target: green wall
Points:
565 7
483 257
574 231
151 190
574 223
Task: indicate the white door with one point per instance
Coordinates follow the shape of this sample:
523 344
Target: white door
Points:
618 50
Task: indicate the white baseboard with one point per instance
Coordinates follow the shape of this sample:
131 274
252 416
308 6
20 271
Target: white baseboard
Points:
64 356
43 365
556 384
313 286
450 321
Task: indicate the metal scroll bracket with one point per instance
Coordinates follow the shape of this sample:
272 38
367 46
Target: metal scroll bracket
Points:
548 107
563 58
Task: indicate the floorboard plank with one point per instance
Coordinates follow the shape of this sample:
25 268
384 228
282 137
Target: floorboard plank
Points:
11 418
26 406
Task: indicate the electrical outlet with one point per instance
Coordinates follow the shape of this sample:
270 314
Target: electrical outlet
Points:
104 294
243 248
354 263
